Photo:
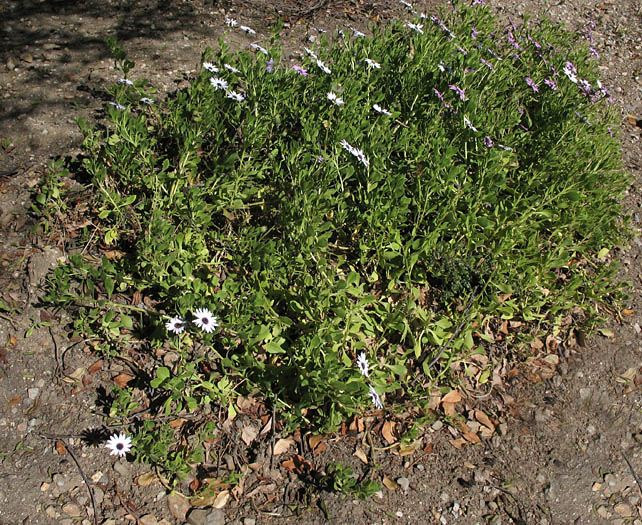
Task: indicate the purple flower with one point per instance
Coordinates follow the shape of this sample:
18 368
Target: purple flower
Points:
459 91
300 70
488 142
594 52
487 64
532 84
441 97
269 67
511 39
550 83
474 33
479 2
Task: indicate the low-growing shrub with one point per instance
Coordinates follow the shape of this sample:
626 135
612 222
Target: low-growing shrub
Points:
320 234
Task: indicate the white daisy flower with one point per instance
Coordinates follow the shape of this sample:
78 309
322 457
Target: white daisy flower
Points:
376 400
379 109
204 319
323 67
116 105
239 97
416 27
119 444
210 67
362 158
146 100
347 147
125 81
356 152
231 68
362 363
257 47
230 22
248 30
175 324
371 63
334 99
310 53
218 83
406 4
357 33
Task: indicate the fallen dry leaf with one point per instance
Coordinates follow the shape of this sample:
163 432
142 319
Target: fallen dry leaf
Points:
249 434
627 312
357 425
122 379
114 254
536 344
177 423
390 484
457 443
221 500
60 448
95 367
472 437
449 408
484 419
387 431
145 480
360 454
317 445
407 450
245 404
297 464
282 445
452 397
12 340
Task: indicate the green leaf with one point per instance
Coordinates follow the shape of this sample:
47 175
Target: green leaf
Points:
274 347
109 286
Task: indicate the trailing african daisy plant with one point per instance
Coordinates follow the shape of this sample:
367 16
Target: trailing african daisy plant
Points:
334 234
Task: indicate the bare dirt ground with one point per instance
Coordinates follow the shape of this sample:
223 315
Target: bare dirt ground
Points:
568 437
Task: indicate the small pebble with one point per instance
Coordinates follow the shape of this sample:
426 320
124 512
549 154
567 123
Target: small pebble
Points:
71 509
623 509
148 519
404 483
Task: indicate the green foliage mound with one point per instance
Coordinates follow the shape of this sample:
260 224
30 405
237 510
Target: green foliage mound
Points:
341 232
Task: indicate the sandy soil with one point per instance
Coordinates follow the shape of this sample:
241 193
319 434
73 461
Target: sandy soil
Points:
567 443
